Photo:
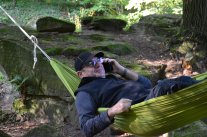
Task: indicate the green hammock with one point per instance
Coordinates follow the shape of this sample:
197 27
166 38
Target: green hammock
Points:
155 116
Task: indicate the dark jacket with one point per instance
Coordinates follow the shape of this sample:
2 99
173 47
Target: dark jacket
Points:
105 92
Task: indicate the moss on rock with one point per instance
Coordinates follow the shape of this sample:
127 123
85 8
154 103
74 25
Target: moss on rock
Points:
73 51
54 51
20 107
139 69
185 47
116 48
50 24
97 37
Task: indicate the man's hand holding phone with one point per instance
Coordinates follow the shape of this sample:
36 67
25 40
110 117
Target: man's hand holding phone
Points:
111 65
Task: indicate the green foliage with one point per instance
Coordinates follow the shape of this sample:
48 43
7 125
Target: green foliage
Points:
1 77
25 11
74 10
102 7
19 106
18 81
141 8
4 19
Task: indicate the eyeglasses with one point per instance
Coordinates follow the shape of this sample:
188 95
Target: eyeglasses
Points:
94 61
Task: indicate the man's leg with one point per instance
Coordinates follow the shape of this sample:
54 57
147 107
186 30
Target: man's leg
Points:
169 86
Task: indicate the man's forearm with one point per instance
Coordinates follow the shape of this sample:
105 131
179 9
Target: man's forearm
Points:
128 74
91 123
95 125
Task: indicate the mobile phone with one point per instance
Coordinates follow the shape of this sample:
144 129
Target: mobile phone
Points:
108 67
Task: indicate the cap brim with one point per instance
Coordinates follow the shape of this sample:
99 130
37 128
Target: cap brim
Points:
99 54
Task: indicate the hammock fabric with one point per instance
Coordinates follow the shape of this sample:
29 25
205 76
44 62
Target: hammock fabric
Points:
155 116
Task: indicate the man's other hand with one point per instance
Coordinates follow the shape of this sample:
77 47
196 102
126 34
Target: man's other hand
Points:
122 105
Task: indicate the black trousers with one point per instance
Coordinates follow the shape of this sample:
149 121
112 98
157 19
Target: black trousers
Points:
169 86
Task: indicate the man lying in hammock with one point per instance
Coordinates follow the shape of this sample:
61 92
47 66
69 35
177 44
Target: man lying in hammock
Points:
100 90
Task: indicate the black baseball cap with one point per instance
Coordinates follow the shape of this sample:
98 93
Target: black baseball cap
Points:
85 57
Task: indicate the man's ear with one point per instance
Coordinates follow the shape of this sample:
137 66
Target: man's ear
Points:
80 74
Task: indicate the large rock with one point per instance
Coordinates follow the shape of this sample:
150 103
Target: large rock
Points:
159 25
47 109
47 97
195 129
16 58
104 24
8 94
43 131
50 24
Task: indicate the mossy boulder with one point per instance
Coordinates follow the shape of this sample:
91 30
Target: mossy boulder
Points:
86 20
104 23
43 131
112 25
53 110
50 24
17 58
159 25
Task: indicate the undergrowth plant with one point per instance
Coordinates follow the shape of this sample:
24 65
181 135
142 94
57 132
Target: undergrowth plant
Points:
1 77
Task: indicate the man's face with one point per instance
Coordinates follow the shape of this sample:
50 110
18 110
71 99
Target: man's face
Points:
93 69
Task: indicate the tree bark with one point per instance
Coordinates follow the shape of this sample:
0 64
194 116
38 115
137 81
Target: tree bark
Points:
195 16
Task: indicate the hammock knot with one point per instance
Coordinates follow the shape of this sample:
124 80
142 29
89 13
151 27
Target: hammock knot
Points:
35 42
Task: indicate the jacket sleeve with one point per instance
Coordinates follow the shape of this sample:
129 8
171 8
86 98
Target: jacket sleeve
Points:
90 122
145 82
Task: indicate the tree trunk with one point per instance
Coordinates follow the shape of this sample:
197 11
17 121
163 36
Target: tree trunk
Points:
195 16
